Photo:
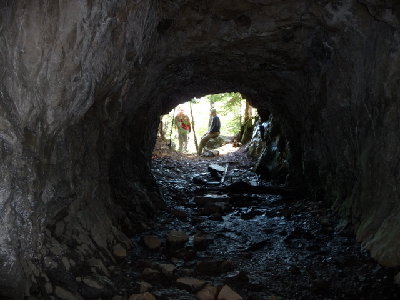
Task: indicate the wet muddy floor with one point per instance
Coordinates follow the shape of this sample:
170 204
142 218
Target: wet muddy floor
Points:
263 241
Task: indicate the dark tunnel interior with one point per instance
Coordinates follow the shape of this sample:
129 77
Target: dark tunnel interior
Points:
82 194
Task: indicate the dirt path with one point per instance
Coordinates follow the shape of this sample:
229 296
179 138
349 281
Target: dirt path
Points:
263 246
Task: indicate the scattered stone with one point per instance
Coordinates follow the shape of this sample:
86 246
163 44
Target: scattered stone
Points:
176 239
167 269
227 293
152 242
66 263
187 271
185 254
197 179
240 277
201 241
98 264
48 287
273 298
179 213
215 170
190 284
202 200
119 251
177 261
397 279
214 267
143 296
319 286
151 274
215 207
210 153
294 270
59 230
216 217
325 221
92 283
64 294
209 292
259 245
144 286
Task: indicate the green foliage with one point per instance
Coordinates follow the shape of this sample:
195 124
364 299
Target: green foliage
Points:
229 108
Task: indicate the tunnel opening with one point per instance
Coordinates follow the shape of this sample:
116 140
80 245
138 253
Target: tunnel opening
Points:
192 121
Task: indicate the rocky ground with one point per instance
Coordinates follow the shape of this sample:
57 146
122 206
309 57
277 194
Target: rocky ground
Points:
244 239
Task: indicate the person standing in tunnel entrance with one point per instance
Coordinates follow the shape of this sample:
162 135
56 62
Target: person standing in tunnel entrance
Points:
213 132
182 122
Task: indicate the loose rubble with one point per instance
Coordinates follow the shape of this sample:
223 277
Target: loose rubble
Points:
245 239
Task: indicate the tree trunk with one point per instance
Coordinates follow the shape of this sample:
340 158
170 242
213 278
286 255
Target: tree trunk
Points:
172 126
161 130
194 132
247 127
247 112
210 119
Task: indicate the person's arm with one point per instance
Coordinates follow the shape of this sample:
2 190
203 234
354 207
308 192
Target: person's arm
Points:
177 123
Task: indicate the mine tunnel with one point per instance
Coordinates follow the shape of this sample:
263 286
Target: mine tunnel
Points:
82 89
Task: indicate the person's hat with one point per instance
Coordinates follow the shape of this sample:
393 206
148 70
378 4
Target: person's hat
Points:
213 110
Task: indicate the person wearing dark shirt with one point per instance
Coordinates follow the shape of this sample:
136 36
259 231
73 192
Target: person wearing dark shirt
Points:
213 132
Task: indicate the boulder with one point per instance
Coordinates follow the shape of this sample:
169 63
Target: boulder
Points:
201 241
397 279
216 171
152 242
176 239
214 267
167 269
119 251
217 142
227 293
190 284
62 293
151 274
209 292
210 153
208 198
143 296
144 286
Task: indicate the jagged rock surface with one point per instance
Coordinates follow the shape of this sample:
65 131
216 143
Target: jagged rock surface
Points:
84 83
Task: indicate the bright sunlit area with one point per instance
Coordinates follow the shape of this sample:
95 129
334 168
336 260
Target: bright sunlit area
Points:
192 120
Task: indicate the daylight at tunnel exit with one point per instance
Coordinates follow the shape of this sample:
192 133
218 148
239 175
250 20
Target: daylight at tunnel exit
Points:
209 150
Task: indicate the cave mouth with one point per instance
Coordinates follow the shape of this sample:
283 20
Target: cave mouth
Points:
183 128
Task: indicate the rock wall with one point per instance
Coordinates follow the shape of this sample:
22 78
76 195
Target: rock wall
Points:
83 84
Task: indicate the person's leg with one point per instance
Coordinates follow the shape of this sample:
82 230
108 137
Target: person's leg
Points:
184 142
214 135
180 138
205 139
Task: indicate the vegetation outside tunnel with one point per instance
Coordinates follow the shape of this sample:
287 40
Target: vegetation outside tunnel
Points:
237 117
